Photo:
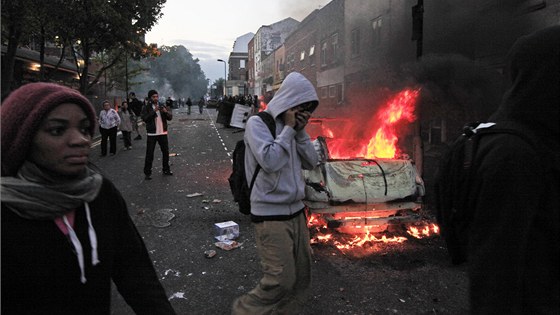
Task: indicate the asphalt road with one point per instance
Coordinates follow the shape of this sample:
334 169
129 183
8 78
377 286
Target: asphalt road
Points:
176 217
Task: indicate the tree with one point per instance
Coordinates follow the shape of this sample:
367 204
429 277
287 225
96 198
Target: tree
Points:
177 68
14 20
86 27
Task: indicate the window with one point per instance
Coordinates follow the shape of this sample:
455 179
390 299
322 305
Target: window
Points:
355 42
242 64
324 92
324 54
334 43
289 62
312 55
332 91
339 93
376 25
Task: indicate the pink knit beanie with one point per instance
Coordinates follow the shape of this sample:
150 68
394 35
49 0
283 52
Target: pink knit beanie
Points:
22 113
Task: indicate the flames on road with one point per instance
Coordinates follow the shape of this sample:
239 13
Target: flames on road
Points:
366 235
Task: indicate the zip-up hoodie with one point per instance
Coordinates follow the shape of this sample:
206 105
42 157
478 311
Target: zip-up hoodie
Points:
279 187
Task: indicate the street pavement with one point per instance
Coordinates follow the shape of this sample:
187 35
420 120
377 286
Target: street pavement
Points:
176 215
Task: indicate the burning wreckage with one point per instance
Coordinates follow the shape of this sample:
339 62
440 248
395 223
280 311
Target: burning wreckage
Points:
364 186
364 194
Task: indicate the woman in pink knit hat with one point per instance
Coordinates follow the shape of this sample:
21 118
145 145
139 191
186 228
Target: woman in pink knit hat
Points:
66 231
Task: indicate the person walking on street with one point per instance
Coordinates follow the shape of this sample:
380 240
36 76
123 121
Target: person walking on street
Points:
136 106
277 211
169 102
155 116
109 121
127 119
66 231
514 239
200 105
189 104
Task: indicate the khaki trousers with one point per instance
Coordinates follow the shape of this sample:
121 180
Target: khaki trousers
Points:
285 254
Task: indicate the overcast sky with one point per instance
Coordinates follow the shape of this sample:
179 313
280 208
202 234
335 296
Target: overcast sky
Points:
208 28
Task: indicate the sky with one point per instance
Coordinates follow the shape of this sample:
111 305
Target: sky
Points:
208 28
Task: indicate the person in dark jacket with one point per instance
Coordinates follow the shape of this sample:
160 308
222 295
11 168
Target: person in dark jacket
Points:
136 106
155 116
189 104
514 244
66 231
200 105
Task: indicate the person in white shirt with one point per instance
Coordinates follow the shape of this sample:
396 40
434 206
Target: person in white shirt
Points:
109 120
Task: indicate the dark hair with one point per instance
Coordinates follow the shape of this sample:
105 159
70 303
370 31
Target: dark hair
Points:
309 106
152 92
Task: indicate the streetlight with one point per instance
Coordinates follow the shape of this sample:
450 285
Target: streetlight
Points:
220 60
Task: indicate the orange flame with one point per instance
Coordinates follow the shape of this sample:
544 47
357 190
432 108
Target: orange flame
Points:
318 225
262 106
401 107
376 143
423 232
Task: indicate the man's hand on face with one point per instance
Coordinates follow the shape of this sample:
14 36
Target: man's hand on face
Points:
296 118
302 118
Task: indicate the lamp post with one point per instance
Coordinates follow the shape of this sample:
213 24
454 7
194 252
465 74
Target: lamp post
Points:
220 60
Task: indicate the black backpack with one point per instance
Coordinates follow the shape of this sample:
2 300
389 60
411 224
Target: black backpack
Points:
454 213
237 180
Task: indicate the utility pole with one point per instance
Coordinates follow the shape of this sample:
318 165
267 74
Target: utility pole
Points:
221 60
126 74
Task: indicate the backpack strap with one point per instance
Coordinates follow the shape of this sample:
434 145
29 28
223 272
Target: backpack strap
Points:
271 124
475 131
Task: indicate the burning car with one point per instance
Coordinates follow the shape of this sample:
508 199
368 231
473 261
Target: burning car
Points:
364 185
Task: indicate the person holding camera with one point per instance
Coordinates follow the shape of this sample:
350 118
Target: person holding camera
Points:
155 116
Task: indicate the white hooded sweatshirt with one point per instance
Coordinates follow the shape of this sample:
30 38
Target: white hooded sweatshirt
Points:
279 187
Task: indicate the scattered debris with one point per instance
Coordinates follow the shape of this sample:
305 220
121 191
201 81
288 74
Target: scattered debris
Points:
174 272
160 218
226 231
178 295
210 253
228 245
216 201
194 195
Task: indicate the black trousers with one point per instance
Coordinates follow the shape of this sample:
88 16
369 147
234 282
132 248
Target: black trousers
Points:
126 138
112 135
150 148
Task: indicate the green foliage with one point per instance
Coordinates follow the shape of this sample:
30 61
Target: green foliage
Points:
87 27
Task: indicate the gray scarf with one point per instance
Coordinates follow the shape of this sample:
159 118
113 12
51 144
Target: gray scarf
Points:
34 194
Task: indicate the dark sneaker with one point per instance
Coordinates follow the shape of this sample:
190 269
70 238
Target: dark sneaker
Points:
169 173
148 177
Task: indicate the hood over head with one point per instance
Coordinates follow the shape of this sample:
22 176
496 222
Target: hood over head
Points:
295 90
534 96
